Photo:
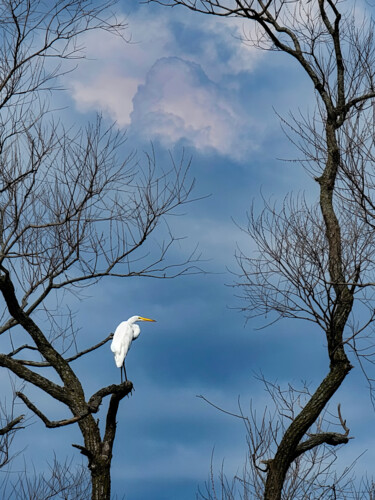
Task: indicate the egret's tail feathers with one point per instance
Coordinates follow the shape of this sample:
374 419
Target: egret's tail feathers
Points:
119 360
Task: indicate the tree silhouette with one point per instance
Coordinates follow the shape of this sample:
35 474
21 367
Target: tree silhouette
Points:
316 261
74 208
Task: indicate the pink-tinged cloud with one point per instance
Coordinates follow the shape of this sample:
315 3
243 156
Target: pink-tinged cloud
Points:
110 94
117 76
179 102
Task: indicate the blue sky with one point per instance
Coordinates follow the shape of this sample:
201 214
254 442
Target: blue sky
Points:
187 81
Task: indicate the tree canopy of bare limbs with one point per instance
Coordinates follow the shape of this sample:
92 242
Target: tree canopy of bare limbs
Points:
316 262
74 208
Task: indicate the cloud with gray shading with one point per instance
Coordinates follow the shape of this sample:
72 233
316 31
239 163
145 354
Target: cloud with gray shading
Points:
179 102
172 87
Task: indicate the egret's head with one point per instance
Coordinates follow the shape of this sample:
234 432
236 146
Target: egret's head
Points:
135 319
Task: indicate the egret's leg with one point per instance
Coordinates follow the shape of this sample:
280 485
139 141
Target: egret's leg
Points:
126 377
121 373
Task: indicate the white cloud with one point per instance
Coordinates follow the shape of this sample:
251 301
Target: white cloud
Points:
108 79
109 93
178 101
183 106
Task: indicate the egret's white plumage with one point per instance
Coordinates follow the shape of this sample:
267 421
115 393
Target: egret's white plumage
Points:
125 333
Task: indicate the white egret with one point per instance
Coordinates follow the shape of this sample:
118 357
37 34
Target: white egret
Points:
125 333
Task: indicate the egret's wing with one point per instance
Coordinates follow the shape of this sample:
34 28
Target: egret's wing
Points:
118 335
122 339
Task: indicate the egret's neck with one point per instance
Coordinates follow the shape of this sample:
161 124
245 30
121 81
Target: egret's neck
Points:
136 331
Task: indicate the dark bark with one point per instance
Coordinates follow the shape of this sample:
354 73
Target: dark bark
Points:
11 425
290 446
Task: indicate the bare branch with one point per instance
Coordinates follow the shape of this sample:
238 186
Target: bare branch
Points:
12 425
49 423
42 364
120 391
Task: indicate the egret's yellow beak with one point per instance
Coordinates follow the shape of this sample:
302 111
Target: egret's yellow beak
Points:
146 319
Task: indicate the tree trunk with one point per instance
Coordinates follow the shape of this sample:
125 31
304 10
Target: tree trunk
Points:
99 455
101 481
286 451
339 363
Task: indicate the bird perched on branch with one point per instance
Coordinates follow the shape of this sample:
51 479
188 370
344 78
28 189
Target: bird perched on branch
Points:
125 333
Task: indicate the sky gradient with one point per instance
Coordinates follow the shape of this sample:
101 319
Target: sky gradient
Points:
186 82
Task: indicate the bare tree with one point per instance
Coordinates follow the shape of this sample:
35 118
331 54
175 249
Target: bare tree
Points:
315 262
74 208
62 481
311 475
